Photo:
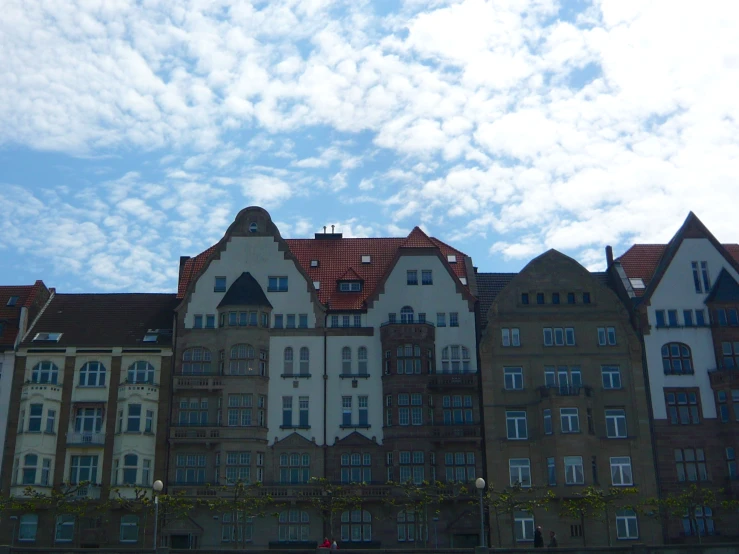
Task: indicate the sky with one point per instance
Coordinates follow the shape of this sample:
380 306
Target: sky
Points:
133 132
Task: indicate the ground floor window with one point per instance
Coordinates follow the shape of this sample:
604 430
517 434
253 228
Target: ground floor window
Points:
27 527
236 528
524 524
703 520
294 526
129 528
64 528
409 529
626 525
356 526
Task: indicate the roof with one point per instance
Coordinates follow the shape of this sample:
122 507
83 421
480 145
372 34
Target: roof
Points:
10 315
336 256
245 291
725 289
105 320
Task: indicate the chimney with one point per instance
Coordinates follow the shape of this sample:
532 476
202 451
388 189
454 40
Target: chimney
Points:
609 255
332 229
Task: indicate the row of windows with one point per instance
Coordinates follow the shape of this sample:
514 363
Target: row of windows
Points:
131 469
556 298
568 380
456 410
92 374
615 421
426 277
511 336
194 411
87 421
65 528
274 283
519 470
407 315
691 318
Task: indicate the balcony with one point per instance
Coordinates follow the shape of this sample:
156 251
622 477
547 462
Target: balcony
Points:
453 380
81 492
407 330
723 376
47 390
565 390
85 438
198 382
187 434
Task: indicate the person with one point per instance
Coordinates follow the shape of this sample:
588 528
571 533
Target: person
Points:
334 546
326 543
552 540
538 538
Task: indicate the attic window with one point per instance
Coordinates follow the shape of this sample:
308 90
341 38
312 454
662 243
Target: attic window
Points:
317 284
12 301
366 259
463 280
350 286
314 263
150 338
47 337
252 227
451 258
637 283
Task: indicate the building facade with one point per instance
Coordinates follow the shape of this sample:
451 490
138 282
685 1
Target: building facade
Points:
350 360
686 304
87 419
564 398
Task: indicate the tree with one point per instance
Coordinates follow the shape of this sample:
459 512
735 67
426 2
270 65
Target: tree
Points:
595 504
514 499
333 498
685 504
242 501
140 503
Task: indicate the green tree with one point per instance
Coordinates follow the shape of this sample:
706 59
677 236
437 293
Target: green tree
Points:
242 501
684 504
514 499
330 499
141 503
596 504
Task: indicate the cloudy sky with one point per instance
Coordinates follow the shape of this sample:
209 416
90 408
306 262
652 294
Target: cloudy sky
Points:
132 132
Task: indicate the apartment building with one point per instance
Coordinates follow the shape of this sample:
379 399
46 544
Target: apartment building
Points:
19 306
346 359
564 397
686 303
87 418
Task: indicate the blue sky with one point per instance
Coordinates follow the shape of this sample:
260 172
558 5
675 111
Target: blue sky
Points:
132 133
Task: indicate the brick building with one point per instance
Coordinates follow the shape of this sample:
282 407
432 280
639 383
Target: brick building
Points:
564 396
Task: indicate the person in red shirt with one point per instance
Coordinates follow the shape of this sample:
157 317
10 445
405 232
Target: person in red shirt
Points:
326 543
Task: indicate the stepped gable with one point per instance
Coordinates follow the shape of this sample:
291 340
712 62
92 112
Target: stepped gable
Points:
245 291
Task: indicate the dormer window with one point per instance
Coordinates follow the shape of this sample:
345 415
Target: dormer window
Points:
366 259
314 263
150 337
317 285
47 337
253 227
637 284
12 301
463 280
350 286
451 258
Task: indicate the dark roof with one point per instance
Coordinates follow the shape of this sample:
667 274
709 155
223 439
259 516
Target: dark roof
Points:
489 286
105 320
245 291
10 315
725 289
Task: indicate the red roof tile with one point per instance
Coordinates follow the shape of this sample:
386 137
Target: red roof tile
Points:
336 257
10 315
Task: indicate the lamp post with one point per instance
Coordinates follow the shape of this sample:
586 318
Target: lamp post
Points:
480 485
157 486
436 531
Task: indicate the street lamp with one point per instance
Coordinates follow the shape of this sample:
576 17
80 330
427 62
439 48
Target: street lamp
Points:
157 486
436 531
480 485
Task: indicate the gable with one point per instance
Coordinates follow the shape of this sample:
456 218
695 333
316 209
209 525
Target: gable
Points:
355 439
293 440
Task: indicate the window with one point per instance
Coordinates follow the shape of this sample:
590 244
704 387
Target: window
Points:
303 321
540 298
453 319
364 415
240 410
358 320
660 318
672 318
409 359
350 286
140 372
34 418
460 466
88 421
455 359
690 464
362 360
346 361
513 378
511 337
700 318
303 406
238 467
30 461
278 321
146 473
12 301
524 298
210 321
294 468
408 528
682 408
703 519
294 526
288 358
130 469
412 277
219 284
291 321
723 408
569 336
391 318
64 528
570 420
516 425
551 472
356 468
626 525
573 470
454 414
427 277
196 361
27 527
586 298
193 411
441 319
92 374
233 319
129 528
616 424
346 410
688 318
134 418
697 278
606 336
611 377
524 526
555 298
253 227
45 471
731 463
45 372
558 336
406 314
548 427
412 467
621 474
304 361
730 355
277 284
356 526
287 411
676 359
190 468
520 471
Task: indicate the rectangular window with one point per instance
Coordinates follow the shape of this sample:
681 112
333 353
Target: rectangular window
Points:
346 410
700 318
303 321
723 408
364 410
303 405
616 424
524 526
516 425
453 319
34 418
570 336
412 277
696 277
134 418
551 472
524 298
426 277
690 464
688 318
441 320
50 421
220 284
392 318
278 321
540 298
621 475
403 416
704 275
660 318
520 471
730 355
611 377
277 284
513 378
570 297
198 322
555 298
586 298
210 321
290 321
626 525
287 411
358 320
682 408
149 423
548 427
570 420
672 318
574 474
46 471
233 319
731 463
64 528
548 336
421 317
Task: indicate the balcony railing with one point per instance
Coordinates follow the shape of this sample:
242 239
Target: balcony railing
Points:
91 492
407 322
199 382
723 375
86 438
458 380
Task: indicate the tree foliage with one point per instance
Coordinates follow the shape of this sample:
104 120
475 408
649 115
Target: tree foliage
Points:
514 499
596 504
332 499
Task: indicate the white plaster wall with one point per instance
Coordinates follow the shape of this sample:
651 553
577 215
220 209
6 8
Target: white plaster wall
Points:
677 291
260 257
91 394
135 443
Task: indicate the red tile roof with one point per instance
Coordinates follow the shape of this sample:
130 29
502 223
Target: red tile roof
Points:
336 257
10 315
641 260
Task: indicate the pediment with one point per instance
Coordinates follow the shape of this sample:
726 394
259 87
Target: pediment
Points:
293 440
356 438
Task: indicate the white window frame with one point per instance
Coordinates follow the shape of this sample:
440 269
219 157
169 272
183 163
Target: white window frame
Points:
569 420
607 372
513 378
572 465
519 471
623 530
515 417
129 522
524 526
616 425
620 476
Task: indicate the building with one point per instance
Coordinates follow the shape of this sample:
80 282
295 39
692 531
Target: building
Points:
346 359
19 306
564 397
87 418
686 303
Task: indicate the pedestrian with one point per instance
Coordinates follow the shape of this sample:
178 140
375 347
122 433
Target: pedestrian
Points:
538 538
326 543
552 540
334 546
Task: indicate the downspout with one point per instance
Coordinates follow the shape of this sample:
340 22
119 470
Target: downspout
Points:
325 390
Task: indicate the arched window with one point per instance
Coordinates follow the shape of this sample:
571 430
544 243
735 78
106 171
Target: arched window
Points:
288 367
129 528
45 372
408 529
141 372
346 360
304 361
27 528
676 358
196 361
92 374
294 468
130 469
294 526
406 314
241 360
356 526
362 360
455 359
